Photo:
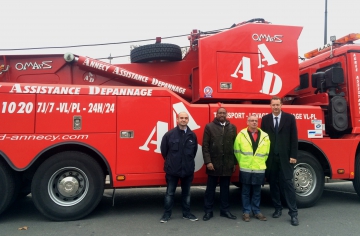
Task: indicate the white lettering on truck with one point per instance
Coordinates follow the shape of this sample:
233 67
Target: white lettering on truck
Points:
13 107
269 78
161 128
130 75
33 65
40 137
268 38
94 90
96 65
357 80
17 88
169 86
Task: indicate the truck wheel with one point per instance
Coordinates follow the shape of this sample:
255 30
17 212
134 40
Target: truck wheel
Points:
356 180
68 186
7 185
308 180
158 51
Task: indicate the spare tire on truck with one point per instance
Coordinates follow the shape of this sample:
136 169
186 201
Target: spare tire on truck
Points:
156 52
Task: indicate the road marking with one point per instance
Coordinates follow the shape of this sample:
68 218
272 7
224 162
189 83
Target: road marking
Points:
204 188
340 182
338 191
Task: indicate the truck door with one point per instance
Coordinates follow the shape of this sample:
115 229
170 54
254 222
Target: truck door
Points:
141 123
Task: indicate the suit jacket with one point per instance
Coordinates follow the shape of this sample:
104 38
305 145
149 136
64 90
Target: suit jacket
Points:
287 141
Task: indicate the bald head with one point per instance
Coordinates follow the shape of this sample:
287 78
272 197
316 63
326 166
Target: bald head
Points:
182 119
183 113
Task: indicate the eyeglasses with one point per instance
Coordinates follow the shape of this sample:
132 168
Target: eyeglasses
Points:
253 121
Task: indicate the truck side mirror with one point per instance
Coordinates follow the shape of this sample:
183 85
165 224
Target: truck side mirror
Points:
317 80
328 80
334 76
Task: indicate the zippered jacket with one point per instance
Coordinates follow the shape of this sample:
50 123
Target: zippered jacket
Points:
248 159
218 148
179 151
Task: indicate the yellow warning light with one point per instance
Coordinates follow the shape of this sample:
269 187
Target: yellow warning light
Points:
315 52
340 171
120 177
346 39
352 173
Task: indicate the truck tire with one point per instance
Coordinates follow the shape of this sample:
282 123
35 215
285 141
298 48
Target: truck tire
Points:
7 185
68 186
309 180
156 52
356 180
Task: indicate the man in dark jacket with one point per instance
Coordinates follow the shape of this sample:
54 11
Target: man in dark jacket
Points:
282 131
178 148
220 161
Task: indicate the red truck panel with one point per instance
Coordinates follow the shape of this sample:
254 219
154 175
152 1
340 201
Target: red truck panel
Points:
55 113
22 149
257 59
142 117
14 110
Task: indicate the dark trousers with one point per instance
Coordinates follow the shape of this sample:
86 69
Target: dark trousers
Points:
251 202
210 193
279 184
172 182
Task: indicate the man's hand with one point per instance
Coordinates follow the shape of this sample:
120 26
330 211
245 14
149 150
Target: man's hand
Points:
210 166
292 160
234 168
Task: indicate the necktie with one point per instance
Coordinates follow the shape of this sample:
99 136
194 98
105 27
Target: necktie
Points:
276 146
276 125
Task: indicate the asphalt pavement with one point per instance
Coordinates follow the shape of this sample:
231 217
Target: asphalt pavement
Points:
137 211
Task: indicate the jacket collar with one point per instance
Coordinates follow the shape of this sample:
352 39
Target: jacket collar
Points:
218 123
188 130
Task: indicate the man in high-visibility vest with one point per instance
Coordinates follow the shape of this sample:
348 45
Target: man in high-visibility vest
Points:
251 149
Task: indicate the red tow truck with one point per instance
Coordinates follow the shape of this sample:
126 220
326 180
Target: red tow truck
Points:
68 121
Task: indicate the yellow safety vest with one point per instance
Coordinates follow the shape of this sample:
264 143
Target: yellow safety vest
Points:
249 161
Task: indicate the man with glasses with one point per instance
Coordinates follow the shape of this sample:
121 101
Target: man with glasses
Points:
251 149
220 161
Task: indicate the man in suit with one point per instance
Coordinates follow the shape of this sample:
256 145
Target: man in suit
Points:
281 127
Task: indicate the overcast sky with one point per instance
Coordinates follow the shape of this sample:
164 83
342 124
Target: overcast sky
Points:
40 23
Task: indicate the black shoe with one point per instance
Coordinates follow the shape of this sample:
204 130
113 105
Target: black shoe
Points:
228 215
208 216
190 217
165 218
294 221
276 214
